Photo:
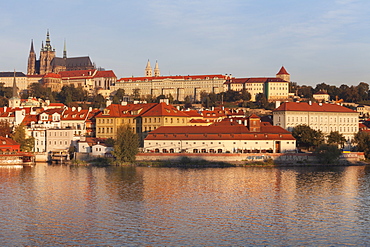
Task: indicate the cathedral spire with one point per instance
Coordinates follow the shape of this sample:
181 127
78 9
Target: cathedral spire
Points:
47 42
65 49
15 90
32 50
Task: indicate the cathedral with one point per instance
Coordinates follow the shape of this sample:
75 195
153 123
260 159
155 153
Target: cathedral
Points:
49 63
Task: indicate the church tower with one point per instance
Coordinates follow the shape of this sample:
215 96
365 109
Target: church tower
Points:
47 54
31 67
156 70
283 74
148 70
15 101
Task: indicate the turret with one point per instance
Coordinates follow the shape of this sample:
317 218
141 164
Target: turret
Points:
156 70
148 69
283 74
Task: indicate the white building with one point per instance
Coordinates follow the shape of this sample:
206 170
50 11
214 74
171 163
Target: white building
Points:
227 136
318 116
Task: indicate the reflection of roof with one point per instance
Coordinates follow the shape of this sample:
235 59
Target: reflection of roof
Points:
313 107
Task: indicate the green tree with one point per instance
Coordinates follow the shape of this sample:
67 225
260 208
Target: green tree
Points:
98 101
19 135
327 154
118 96
362 141
307 137
126 144
136 93
337 138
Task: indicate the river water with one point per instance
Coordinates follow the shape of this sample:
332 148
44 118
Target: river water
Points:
145 206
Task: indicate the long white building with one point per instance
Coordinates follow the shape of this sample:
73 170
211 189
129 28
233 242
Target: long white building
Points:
319 116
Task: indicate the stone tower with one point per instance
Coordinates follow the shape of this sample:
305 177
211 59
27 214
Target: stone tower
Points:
148 69
283 74
47 54
31 67
156 70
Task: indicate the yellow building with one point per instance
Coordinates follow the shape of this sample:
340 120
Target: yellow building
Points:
274 88
142 118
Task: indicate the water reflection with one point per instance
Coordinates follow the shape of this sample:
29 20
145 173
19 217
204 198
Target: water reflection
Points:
70 205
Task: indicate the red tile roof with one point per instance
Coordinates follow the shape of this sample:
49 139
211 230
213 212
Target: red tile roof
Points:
282 71
162 109
129 110
224 130
313 107
52 75
253 80
177 77
105 73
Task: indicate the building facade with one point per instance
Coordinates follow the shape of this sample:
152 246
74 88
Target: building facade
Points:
318 116
222 137
274 88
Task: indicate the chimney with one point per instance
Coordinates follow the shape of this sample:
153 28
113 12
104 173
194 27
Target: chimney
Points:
277 104
310 102
73 108
79 108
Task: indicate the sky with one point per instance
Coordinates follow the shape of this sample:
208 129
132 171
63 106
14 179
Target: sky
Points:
316 41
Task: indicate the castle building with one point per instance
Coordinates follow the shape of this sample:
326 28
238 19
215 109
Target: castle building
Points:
274 88
49 63
177 86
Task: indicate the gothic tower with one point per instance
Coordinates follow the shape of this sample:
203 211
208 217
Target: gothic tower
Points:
47 54
65 50
156 70
31 67
148 69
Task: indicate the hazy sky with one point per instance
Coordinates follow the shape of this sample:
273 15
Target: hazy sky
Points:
316 41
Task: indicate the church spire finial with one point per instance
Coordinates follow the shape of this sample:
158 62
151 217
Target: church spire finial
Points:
32 50
65 49
15 89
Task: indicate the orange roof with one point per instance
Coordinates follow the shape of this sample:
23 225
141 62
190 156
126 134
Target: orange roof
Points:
313 107
78 73
52 75
162 109
8 141
193 113
129 110
105 73
219 131
253 80
177 77
282 71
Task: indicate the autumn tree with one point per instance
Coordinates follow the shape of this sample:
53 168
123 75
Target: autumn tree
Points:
126 144
19 135
5 129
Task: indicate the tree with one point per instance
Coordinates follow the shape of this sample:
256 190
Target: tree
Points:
5 129
19 135
362 139
118 96
336 138
126 144
261 100
327 154
307 137
136 93
98 101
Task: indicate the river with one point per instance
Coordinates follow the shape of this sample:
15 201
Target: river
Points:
145 206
